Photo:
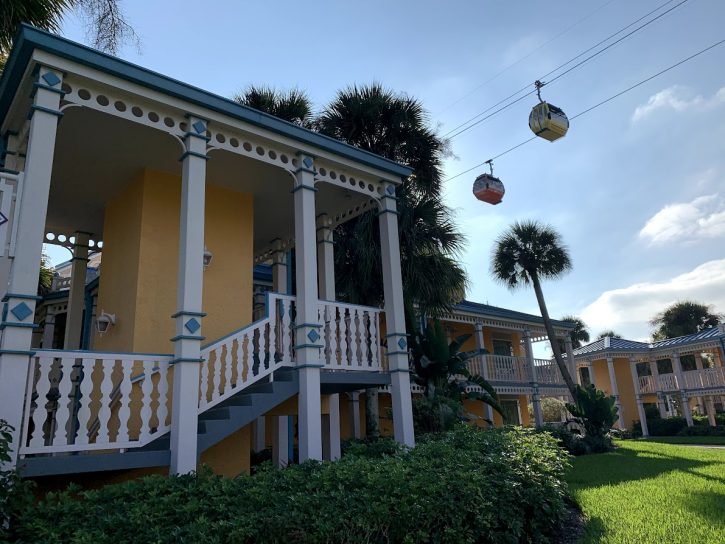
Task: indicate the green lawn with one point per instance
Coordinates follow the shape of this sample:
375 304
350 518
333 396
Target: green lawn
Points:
704 440
647 492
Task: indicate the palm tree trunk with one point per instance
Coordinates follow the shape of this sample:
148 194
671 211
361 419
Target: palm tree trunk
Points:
552 337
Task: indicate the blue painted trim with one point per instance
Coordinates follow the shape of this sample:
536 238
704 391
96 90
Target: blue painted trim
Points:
182 313
300 187
388 211
13 324
35 108
405 370
397 353
187 337
187 360
97 354
302 346
391 197
16 352
8 296
326 242
195 135
37 85
29 39
310 365
311 325
394 334
193 154
290 278
308 170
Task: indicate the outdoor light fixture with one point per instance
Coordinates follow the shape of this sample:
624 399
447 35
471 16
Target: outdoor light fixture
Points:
207 258
104 322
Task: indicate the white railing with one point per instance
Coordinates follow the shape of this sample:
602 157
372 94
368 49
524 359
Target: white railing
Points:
248 355
61 283
647 384
547 372
705 378
506 368
668 382
82 400
351 336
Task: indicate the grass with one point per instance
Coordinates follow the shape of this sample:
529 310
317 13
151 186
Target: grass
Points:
702 440
651 492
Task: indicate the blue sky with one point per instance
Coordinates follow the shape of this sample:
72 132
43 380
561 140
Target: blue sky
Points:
637 186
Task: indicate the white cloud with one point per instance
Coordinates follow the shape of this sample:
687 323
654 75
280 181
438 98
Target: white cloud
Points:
702 218
628 310
679 99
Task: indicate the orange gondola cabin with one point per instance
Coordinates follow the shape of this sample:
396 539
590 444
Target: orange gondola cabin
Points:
488 188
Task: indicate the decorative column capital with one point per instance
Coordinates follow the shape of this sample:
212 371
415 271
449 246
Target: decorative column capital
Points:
306 163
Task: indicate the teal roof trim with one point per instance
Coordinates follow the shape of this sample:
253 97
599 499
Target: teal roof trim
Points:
495 311
621 344
30 38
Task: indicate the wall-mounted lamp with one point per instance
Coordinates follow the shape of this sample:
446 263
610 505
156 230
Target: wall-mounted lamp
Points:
207 257
104 322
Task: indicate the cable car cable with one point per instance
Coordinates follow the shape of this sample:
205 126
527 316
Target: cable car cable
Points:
595 106
561 66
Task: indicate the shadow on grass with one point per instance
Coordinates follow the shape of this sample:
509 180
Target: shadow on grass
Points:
707 504
625 465
594 530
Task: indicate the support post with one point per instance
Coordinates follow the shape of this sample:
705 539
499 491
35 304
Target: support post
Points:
615 390
698 366
398 364
684 401
355 414
481 346
48 329
658 387
21 296
188 316
307 334
590 370
638 396
280 424
535 398
76 294
710 411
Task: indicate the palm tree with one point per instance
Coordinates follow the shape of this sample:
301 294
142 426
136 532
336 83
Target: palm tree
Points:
579 335
293 105
396 126
682 318
525 254
608 334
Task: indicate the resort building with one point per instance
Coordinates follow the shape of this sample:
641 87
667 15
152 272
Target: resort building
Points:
687 372
197 321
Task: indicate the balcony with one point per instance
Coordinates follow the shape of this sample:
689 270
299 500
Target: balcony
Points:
705 379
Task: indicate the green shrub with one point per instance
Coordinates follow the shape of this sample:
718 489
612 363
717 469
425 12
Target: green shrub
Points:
702 430
436 414
552 409
15 494
467 485
576 444
373 448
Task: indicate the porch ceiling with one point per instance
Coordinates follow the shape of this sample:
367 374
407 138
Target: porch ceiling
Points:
97 155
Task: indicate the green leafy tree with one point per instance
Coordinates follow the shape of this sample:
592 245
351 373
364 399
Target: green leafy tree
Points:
594 410
683 318
523 255
580 334
293 105
608 334
45 277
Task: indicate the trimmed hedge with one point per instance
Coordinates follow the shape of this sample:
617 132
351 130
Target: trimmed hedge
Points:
677 426
466 485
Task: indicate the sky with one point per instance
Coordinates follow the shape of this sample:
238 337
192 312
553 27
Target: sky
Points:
637 186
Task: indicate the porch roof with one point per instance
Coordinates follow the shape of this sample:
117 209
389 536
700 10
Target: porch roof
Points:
30 38
504 313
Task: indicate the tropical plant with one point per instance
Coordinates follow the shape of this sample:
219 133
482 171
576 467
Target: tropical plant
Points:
441 368
683 318
594 410
608 334
45 277
579 334
15 494
523 255
106 25
293 105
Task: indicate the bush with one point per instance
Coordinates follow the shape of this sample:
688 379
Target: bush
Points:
576 444
552 409
15 494
436 414
372 448
594 409
703 430
467 485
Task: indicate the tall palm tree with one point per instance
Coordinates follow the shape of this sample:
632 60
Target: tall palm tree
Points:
523 255
682 318
608 334
579 335
397 127
293 105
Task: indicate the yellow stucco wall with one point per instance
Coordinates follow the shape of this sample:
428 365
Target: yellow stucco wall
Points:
140 263
231 456
625 386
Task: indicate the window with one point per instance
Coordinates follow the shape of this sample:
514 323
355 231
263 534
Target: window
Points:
511 413
502 347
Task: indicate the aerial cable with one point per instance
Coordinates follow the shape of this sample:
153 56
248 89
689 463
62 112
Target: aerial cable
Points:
463 128
595 106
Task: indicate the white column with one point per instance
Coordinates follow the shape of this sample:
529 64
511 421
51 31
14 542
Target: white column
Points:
481 346
395 319
578 375
590 370
710 411
535 398
308 334
355 414
48 328
638 396
698 366
615 390
326 289
658 388
684 401
280 424
76 295
188 316
260 433
21 295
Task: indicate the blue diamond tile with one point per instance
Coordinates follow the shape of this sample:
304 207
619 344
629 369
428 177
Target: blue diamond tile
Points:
308 162
51 79
21 311
402 343
199 127
3 219
390 189
313 336
192 325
